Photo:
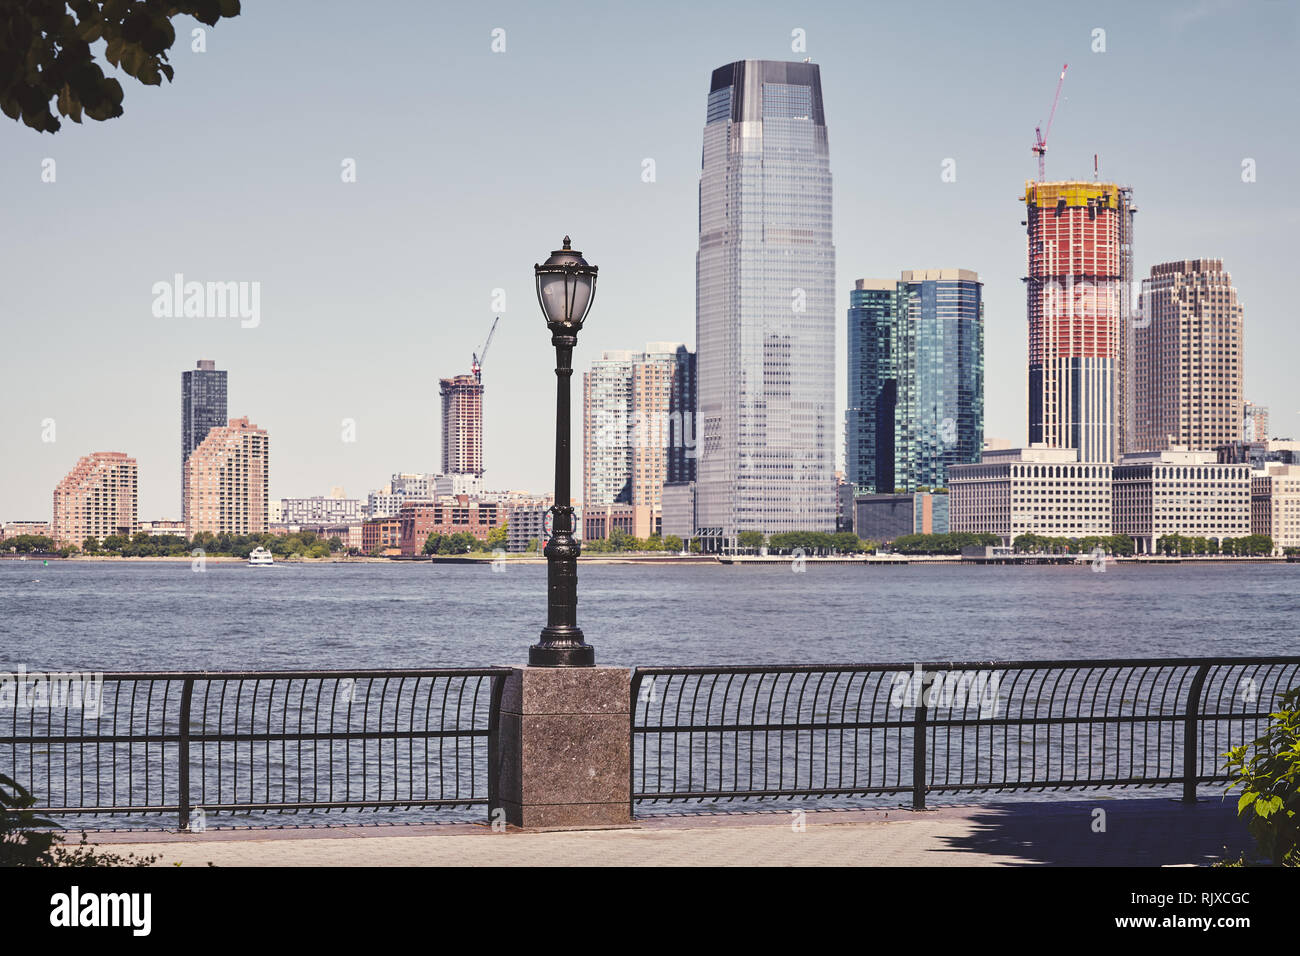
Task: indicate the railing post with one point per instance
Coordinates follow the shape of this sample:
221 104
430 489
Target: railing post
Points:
634 697
919 741
183 755
1191 721
494 744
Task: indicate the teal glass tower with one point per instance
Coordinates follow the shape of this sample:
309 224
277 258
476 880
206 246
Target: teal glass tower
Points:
916 379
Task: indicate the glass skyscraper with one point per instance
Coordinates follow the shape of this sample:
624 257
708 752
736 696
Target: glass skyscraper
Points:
869 433
203 407
765 305
916 379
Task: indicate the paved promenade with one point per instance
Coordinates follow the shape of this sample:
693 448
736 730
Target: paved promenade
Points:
1137 832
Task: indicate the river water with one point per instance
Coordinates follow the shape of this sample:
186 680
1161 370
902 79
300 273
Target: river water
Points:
156 616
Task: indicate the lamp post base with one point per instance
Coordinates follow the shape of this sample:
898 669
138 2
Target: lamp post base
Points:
561 646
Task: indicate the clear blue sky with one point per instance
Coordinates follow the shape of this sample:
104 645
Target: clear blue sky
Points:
472 165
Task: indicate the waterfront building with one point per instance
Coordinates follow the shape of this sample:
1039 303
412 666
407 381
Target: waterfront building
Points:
320 510
447 515
628 428
1189 349
639 521
1080 264
163 528
765 305
875 517
13 529
1275 504
1036 490
1177 491
203 408
916 379
383 534
228 480
462 425
96 499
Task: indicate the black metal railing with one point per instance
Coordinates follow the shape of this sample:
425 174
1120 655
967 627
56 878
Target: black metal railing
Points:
173 745
727 733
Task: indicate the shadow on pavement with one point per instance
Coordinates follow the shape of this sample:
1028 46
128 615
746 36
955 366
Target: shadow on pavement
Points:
1132 832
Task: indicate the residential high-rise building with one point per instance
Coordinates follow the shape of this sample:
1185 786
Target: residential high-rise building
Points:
1080 254
203 407
765 305
462 425
628 424
1188 352
1254 422
228 481
96 499
916 379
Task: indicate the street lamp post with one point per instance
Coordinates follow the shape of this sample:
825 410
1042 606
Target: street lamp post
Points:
566 284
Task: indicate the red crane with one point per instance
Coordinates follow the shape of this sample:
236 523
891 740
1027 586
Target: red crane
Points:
1040 135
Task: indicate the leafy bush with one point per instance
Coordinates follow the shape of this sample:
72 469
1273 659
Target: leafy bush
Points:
1270 782
26 841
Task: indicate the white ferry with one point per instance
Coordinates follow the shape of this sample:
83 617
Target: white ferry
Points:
259 556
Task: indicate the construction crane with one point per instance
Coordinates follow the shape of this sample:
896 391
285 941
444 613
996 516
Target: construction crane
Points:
476 367
1041 134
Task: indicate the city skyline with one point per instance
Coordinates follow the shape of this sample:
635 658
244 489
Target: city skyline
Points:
302 369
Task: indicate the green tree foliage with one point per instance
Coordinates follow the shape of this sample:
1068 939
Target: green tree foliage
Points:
1041 544
751 540
819 542
498 537
45 53
28 543
943 543
673 543
1268 772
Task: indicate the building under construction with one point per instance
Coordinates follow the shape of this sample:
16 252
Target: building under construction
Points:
462 425
1080 254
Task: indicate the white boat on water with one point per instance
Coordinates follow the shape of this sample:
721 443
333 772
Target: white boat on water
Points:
260 557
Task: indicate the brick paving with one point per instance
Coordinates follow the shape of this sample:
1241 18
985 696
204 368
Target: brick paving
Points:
1137 832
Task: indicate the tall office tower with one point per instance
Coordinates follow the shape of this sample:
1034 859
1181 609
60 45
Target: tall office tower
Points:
1080 337
1189 349
683 429
462 425
916 379
765 305
869 436
627 424
203 407
229 481
96 499
1254 422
